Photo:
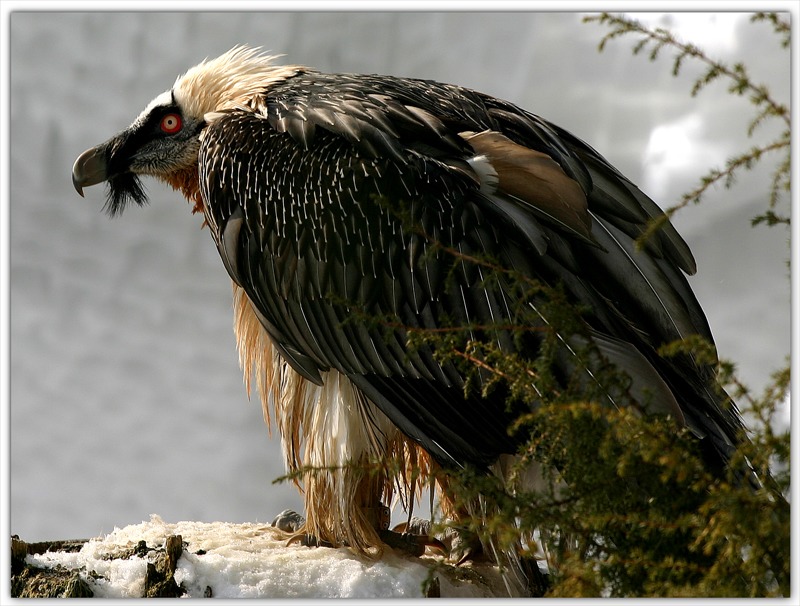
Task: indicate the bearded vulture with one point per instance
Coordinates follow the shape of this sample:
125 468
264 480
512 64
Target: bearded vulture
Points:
354 212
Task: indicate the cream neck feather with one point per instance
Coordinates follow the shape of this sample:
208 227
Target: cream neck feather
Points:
228 81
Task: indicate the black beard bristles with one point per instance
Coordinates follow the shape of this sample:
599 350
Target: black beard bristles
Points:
122 190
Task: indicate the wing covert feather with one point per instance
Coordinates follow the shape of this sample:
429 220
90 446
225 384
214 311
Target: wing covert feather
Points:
336 169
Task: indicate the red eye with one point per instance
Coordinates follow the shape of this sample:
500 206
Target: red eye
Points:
171 123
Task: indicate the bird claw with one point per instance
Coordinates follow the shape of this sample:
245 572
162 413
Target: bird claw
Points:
458 544
308 540
465 548
411 544
410 539
288 521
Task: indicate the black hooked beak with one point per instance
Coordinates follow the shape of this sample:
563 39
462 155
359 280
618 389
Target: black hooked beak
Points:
108 162
90 168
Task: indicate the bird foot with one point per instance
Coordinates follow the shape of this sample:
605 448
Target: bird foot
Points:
308 540
411 543
458 544
288 521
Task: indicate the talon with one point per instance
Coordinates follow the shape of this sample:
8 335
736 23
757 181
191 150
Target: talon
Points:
457 544
412 544
288 521
464 546
307 540
415 526
465 555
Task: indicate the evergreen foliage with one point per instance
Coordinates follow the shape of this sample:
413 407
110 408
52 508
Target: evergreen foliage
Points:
629 507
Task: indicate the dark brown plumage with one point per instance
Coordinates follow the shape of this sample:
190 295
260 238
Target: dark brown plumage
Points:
346 209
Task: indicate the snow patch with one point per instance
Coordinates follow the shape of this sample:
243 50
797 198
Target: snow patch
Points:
254 561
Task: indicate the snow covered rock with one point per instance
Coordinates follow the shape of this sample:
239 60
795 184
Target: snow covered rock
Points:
250 560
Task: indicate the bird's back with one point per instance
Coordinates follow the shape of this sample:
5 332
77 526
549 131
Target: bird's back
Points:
355 211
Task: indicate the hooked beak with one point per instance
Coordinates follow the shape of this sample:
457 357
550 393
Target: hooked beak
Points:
90 168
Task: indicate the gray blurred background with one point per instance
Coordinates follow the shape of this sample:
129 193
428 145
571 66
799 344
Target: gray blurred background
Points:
126 398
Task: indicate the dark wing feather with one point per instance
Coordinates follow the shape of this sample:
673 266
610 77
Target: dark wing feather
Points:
338 166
